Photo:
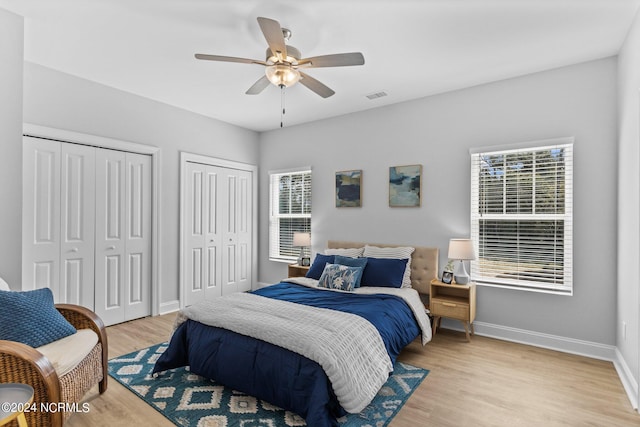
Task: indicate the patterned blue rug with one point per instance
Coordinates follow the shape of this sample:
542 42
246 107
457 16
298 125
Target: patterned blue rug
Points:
190 400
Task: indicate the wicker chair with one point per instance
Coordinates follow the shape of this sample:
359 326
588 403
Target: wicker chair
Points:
20 363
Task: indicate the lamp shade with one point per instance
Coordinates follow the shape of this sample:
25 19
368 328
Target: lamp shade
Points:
461 249
301 239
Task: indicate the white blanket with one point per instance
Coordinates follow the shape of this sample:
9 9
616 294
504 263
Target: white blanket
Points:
331 338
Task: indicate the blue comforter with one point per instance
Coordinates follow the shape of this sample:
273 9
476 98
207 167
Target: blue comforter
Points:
277 375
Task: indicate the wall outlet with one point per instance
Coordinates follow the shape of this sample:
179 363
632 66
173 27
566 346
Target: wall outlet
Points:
624 331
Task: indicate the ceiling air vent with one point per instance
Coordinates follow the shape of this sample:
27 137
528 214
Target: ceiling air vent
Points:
376 95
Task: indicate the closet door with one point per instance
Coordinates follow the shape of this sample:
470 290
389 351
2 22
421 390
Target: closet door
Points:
77 216
110 235
123 236
237 216
217 229
245 230
201 233
59 212
41 215
137 275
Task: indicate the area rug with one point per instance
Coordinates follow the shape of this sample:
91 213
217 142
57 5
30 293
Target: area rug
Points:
190 400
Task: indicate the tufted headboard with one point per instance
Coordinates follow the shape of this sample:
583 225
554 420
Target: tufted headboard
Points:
424 262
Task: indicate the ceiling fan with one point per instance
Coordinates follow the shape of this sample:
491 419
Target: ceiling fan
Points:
283 63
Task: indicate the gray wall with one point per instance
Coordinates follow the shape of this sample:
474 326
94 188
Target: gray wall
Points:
11 58
629 202
62 101
438 132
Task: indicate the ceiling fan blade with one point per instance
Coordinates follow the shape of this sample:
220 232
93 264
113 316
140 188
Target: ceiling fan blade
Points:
273 34
335 60
258 86
315 85
228 59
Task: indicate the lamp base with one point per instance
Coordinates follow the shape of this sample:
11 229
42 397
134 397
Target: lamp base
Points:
460 274
461 280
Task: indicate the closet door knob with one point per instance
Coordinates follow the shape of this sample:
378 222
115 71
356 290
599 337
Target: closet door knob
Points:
111 247
74 250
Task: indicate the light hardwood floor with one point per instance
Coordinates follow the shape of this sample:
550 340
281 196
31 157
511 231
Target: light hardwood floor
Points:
485 382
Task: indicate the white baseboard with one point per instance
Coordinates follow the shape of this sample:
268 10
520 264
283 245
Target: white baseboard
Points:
169 307
552 342
628 382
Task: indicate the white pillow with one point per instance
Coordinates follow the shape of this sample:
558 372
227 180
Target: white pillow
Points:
351 252
4 286
402 252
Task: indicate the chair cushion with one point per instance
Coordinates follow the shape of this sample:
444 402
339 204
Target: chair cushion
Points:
66 353
30 317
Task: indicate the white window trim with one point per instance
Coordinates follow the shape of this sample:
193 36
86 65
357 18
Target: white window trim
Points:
566 142
272 217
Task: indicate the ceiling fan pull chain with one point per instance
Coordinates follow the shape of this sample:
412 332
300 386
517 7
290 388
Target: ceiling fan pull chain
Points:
282 105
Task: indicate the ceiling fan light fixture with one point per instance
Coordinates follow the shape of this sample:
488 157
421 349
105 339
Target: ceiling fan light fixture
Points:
283 62
282 74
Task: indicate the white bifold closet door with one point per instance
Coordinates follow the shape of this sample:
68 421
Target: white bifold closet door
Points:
217 231
58 223
123 236
87 227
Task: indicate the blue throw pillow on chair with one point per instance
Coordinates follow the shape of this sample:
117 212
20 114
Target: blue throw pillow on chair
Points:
31 318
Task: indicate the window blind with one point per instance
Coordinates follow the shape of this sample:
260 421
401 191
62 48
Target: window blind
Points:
522 217
290 211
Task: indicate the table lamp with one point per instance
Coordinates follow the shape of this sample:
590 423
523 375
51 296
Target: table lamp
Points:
461 250
303 240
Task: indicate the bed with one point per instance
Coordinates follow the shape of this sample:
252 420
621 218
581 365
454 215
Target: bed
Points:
314 351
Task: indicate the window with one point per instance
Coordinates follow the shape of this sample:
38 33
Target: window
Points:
290 211
521 216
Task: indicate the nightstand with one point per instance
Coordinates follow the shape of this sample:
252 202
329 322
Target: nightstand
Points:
454 302
296 270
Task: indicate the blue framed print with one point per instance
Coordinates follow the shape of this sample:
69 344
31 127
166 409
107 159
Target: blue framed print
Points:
349 189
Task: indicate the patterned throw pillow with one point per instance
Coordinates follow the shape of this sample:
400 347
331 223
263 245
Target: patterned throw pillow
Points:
31 318
336 276
352 262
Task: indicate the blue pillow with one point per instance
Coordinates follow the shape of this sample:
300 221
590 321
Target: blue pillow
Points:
316 269
353 262
342 277
31 318
384 272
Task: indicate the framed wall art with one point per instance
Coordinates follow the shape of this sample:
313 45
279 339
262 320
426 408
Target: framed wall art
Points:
349 189
405 186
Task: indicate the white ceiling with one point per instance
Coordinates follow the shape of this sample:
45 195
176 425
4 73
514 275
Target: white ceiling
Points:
412 48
